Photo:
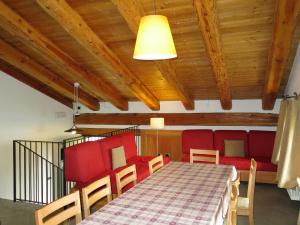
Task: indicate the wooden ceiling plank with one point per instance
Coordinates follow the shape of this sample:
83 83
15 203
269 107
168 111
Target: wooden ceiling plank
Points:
22 62
37 85
74 24
285 20
132 11
208 22
17 26
182 119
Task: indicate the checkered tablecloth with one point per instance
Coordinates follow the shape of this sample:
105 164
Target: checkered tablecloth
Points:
178 194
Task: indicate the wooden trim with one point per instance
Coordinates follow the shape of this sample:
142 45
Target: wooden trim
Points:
267 177
286 16
203 119
74 24
22 62
208 21
35 84
17 26
132 11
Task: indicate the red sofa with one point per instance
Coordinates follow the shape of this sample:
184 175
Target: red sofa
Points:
257 144
86 162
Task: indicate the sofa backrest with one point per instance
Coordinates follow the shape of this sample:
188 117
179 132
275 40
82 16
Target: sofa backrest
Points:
221 135
261 143
107 144
201 139
83 161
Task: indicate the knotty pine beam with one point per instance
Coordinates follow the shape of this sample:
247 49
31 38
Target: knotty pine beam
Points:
22 62
285 20
132 11
17 26
208 22
74 24
35 84
185 119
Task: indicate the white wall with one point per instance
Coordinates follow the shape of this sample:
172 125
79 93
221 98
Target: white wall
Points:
294 80
26 114
205 106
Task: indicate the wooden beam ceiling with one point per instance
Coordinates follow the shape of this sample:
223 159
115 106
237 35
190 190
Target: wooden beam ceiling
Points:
22 62
132 11
74 24
286 15
208 21
184 119
17 26
35 84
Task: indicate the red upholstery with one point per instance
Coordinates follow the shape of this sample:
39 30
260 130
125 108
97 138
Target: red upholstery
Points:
69 166
221 135
261 143
202 139
128 141
88 161
185 157
239 162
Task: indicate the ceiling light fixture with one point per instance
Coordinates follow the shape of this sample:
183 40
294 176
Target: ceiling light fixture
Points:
154 38
76 108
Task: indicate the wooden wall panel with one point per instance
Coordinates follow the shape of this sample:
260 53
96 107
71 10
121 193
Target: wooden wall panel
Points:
169 141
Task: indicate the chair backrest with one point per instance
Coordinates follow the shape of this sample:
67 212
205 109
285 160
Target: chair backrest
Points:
155 164
60 210
251 183
124 177
95 192
200 155
232 208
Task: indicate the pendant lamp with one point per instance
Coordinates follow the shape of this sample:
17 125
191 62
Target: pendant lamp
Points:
76 108
154 39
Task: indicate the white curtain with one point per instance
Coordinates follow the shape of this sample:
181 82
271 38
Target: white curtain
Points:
286 152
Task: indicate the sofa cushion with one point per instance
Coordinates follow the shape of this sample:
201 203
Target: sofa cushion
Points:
80 185
265 164
185 157
106 145
118 157
234 148
240 163
261 143
69 164
128 141
198 139
88 161
221 135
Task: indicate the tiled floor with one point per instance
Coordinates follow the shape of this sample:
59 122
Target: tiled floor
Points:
272 207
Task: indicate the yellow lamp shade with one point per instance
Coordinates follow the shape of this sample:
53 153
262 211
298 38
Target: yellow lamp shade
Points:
154 39
157 123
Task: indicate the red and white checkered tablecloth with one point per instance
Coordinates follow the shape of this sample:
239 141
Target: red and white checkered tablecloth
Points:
178 194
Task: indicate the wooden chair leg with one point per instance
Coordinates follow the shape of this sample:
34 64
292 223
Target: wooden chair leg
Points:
251 220
234 218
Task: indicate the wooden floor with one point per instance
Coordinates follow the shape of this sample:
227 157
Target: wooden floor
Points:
272 207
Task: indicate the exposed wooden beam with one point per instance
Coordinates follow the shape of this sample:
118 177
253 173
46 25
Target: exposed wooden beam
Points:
208 22
132 11
74 24
17 26
203 119
286 15
35 84
22 62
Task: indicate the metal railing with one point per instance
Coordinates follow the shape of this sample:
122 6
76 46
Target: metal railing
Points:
37 170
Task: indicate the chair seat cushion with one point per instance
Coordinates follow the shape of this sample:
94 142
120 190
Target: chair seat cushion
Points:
243 203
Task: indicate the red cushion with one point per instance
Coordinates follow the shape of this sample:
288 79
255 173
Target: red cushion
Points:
261 143
69 164
128 141
201 139
185 157
239 162
88 161
80 185
265 164
106 145
221 135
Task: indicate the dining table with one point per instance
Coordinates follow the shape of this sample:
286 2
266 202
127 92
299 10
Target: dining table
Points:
179 193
